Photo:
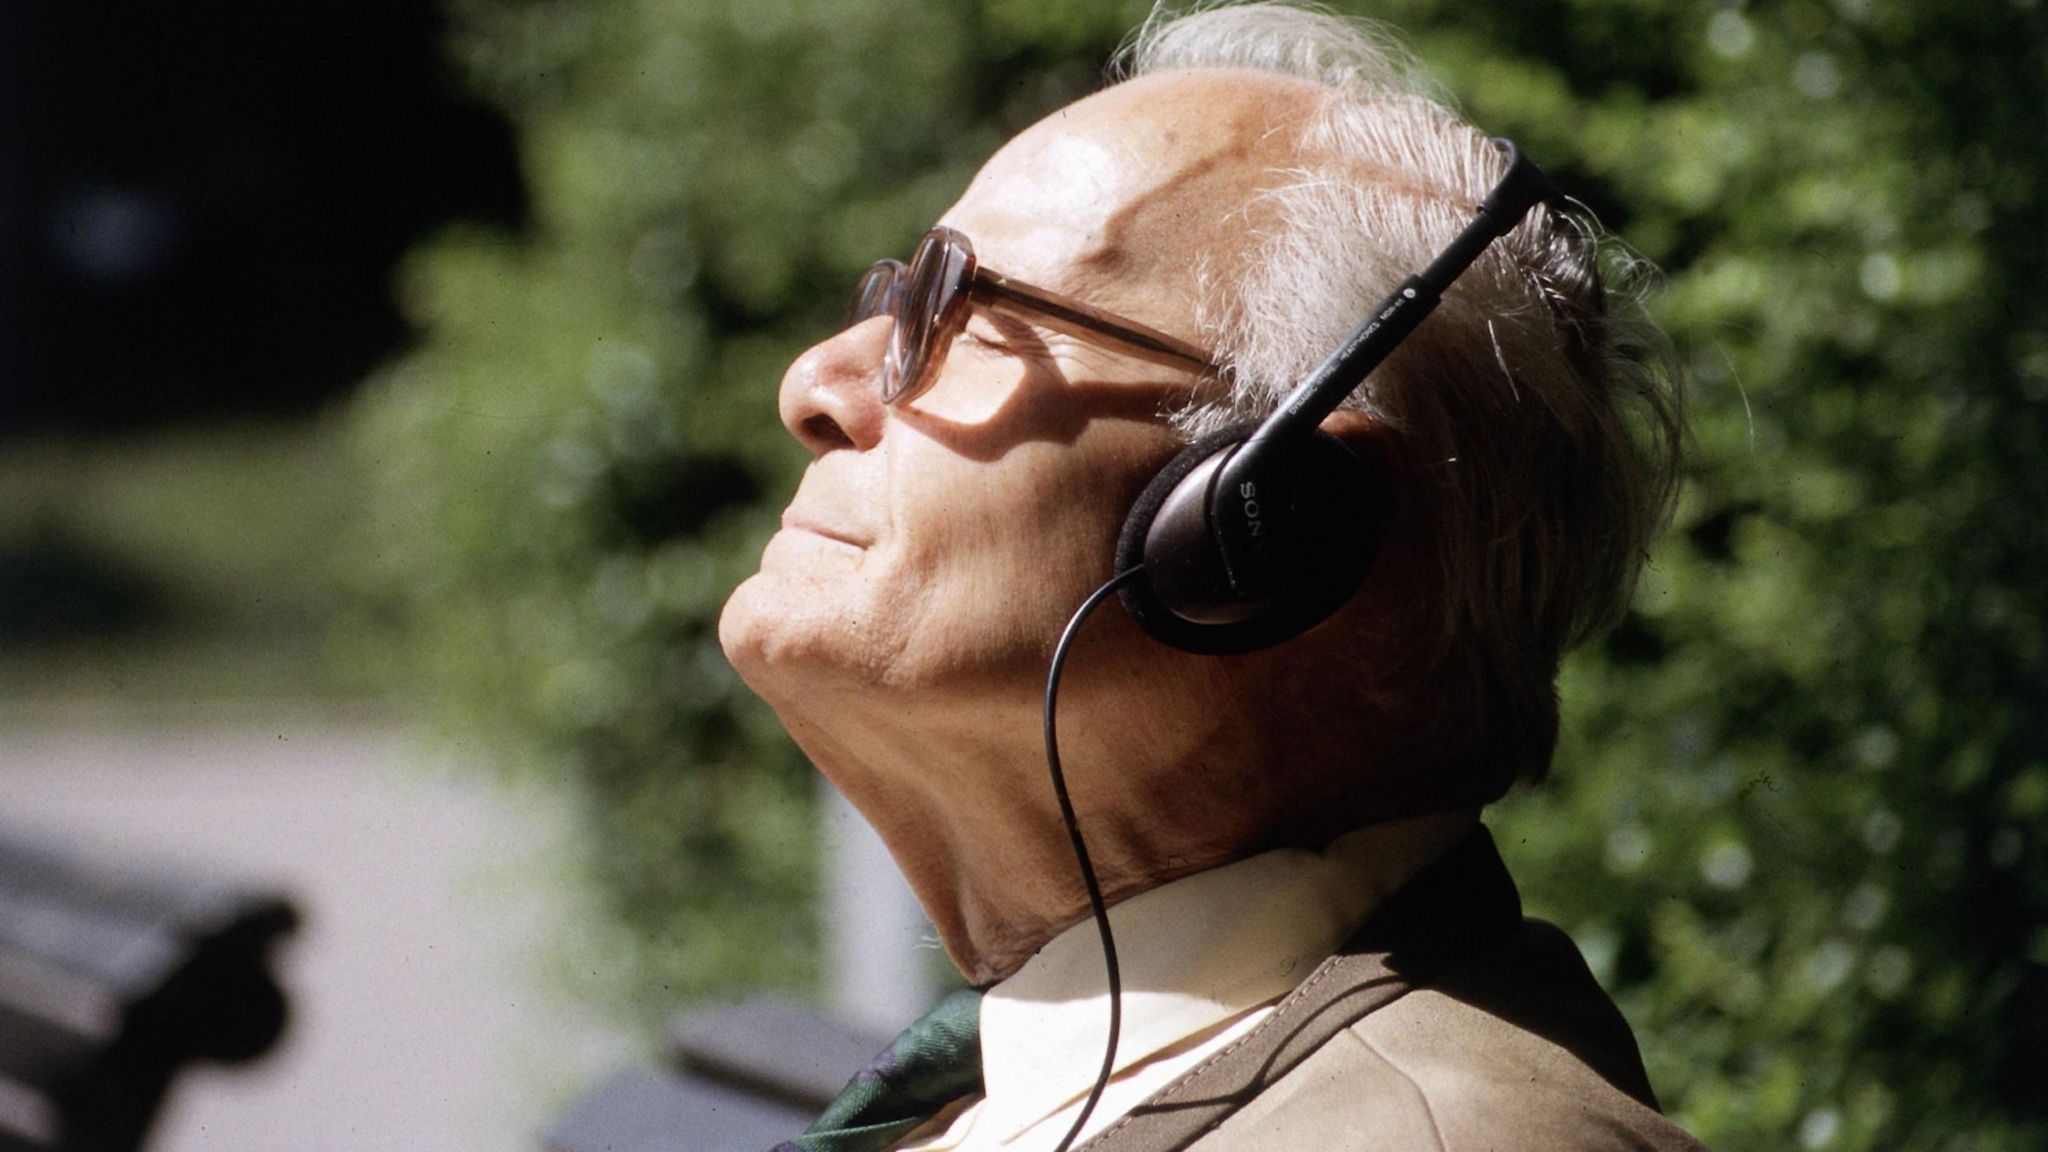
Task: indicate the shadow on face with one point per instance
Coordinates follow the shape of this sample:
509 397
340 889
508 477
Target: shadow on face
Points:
1047 404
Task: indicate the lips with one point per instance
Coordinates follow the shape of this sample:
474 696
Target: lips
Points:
794 521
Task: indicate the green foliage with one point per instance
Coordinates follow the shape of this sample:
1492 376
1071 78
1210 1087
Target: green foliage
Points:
1797 819
190 564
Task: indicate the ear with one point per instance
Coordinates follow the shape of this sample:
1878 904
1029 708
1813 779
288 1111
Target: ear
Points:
1369 436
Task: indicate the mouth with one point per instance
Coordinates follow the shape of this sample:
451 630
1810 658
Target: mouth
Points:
793 522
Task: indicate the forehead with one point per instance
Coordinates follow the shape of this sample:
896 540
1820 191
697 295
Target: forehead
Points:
1155 171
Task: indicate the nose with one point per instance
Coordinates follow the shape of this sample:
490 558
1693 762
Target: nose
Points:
831 395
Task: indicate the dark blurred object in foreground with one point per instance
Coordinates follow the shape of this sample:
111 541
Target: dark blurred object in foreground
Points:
202 202
111 981
744 1076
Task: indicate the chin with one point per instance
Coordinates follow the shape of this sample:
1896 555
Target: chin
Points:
758 632
788 637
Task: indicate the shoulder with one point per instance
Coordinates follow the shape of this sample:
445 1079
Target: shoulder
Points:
1519 1049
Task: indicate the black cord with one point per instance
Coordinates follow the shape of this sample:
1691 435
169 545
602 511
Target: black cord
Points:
1059 788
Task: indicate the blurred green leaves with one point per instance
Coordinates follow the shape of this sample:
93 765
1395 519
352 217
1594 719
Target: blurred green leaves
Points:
1797 820
1781 806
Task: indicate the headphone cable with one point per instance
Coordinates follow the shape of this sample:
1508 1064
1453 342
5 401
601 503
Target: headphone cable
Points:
1059 788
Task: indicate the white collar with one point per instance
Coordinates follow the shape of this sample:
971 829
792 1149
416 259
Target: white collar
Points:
1194 953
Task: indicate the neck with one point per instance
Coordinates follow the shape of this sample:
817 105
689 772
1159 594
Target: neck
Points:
959 792
1175 764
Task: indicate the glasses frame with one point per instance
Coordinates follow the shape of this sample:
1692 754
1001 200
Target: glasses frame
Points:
930 300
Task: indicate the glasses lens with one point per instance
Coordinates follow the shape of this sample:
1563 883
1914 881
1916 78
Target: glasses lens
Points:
931 310
878 292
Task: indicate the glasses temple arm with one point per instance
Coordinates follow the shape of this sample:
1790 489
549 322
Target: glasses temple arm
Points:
1070 316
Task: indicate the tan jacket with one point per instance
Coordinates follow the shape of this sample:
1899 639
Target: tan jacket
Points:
1449 1023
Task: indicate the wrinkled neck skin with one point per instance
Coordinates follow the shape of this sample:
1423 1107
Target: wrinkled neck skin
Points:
1171 772
960 793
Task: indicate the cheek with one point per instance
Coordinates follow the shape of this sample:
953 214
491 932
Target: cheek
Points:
975 577
1042 542
1004 525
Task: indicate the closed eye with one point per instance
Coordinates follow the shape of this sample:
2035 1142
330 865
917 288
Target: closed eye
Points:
998 335
990 344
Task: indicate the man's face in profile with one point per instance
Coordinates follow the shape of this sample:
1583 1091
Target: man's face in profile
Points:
940 542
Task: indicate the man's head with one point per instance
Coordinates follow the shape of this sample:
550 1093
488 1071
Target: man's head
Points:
985 508
1265 176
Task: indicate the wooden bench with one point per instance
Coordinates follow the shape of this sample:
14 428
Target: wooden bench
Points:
739 1078
114 977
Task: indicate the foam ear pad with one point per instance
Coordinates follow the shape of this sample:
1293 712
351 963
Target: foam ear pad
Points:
1327 506
1141 597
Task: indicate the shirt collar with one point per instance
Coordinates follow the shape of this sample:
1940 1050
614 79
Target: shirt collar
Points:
1194 953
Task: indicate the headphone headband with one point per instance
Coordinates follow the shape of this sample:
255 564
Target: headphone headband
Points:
1519 189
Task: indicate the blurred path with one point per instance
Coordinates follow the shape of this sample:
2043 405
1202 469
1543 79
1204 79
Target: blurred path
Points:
422 1021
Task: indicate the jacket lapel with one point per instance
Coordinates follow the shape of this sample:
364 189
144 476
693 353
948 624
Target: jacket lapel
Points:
1451 910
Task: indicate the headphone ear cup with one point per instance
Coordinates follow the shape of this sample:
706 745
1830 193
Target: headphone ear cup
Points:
1141 597
1327 506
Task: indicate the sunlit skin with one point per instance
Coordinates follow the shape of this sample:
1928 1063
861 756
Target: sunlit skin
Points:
902 619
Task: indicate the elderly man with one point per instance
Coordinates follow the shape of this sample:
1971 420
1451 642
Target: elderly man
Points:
1318 945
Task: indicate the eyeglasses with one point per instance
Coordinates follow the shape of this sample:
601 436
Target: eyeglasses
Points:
931 298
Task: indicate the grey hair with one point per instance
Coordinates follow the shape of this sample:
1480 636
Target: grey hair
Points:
1540 413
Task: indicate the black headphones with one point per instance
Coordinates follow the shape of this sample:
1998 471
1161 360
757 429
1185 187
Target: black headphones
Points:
1256 534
